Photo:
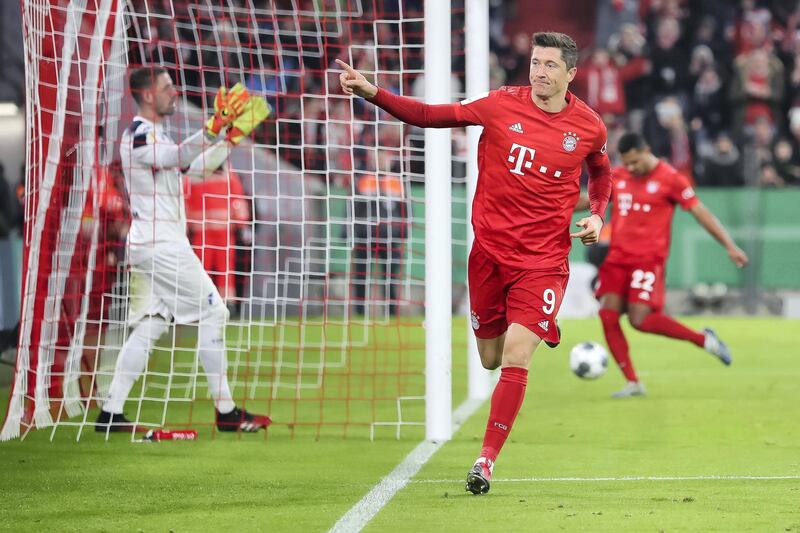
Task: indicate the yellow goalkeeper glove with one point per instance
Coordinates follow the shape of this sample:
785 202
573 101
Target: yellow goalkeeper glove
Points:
227 106
256 111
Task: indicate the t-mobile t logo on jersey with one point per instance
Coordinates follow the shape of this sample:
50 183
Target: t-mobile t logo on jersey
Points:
524 157
624 203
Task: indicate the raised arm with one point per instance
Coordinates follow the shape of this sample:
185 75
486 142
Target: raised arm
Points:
207 162
408 110
715 228
229 108
147 150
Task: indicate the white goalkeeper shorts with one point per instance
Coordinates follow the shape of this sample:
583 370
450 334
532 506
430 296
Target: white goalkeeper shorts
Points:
169 280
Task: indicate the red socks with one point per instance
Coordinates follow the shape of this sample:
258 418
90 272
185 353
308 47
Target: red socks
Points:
661 324
617 342
506 401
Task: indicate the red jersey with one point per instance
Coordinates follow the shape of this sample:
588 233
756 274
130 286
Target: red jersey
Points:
641 218
215 203
529 164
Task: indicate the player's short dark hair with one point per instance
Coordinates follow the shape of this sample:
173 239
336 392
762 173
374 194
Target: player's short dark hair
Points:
143 78
562 41
631 141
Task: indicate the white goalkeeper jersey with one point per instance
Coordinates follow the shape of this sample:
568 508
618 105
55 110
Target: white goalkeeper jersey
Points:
152 163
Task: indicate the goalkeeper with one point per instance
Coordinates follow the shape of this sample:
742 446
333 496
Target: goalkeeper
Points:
167 279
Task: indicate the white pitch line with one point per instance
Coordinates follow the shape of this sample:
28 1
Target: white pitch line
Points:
623 478
362 512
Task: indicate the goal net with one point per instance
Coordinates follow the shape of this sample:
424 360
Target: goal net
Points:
312 230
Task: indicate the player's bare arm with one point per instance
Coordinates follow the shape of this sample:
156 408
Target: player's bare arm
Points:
590 233
353 82
715 228
583 202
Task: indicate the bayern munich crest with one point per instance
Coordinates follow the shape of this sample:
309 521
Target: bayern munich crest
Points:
475 322
570 141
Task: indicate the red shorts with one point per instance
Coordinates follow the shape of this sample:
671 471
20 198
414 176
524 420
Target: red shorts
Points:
500 296
636 283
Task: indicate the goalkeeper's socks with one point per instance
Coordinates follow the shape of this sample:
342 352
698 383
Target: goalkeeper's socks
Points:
661 324
210 340
132 360
506 401
617 343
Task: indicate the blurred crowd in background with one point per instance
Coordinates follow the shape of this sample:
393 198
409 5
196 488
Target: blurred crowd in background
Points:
713 85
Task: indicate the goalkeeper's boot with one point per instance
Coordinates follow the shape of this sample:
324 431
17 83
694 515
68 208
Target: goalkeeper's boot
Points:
631 388
113 423
241 420
554 344
479 476
715 346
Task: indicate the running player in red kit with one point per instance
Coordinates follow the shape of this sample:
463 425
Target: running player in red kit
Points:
644 195
534 142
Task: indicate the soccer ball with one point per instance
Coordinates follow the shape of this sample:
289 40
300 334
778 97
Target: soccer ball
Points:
588 360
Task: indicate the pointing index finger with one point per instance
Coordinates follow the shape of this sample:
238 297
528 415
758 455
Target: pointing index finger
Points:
345 66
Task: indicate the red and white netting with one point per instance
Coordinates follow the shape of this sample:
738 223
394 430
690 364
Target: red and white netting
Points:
320 213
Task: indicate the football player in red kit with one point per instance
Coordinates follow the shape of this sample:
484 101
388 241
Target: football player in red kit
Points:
535 140
631 279
215 209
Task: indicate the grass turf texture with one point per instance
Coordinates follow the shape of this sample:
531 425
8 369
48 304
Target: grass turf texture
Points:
699 419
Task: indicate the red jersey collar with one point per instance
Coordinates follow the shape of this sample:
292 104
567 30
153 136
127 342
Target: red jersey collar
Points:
569 97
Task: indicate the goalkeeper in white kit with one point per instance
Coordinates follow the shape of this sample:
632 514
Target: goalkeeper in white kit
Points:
168 282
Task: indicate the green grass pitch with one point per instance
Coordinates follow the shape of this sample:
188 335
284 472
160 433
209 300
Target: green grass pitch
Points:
700 420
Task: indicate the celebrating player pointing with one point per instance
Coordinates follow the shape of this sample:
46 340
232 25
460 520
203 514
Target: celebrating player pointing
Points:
645 193
534 142
170 282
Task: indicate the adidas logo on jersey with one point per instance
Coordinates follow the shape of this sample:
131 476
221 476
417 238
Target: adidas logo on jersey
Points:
516 128
544 325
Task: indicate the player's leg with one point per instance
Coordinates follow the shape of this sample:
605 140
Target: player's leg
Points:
196 300
212 353
520 343
517 345
612 288
491 351
611 307
648 320
487 297
533 301
646 300
131 363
